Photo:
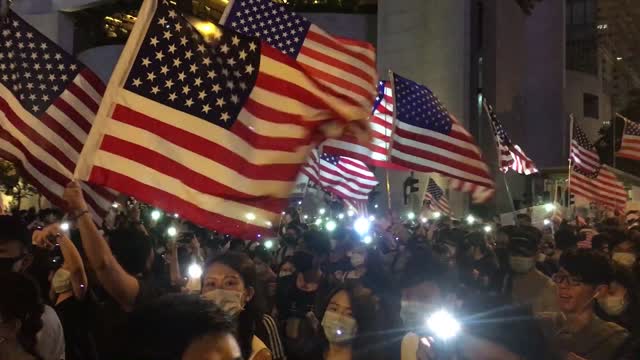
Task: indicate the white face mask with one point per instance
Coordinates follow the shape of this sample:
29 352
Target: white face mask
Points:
356 259
613 305
412 313
624 259
230 301
284 273
338 328
541 257
521 264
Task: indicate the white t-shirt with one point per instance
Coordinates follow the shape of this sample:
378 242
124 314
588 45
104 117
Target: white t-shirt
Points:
50 338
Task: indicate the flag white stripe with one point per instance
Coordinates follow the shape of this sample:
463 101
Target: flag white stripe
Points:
62 119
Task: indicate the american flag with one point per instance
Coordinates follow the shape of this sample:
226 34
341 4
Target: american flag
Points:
435 198
429 139
349 179
510 156
375 153
48 102
583 153
630 146
213 128
590 180
345 66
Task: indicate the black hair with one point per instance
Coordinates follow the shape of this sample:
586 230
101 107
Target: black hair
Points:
513 327
365 310
20 300
255 308
131 247
164 328
263 254
13 229
295 226
591 266
421 267
600 240
565 238
236 244
525 217
317 242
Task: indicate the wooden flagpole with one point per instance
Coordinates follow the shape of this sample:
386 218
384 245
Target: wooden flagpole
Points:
393 130
504 176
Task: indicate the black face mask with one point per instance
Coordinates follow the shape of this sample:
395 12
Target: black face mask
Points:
303 261
6 264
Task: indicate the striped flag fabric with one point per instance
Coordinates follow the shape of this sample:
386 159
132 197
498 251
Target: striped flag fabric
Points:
603 187
510 156
435 199
349 179
48 102
429 139
345 66
630 145
375 153
582 152
360 207
213 126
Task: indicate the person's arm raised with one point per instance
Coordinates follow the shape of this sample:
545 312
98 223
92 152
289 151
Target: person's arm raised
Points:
122 286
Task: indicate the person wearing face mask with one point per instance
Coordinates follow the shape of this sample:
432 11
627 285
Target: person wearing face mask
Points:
350 327
16 256
620 303
576 332
230 282
524 283
288 243
68 290
625 252
297 296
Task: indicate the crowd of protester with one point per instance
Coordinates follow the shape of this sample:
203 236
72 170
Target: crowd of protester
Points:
127 290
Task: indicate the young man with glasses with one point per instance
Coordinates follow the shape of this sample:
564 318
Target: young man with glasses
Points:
577 332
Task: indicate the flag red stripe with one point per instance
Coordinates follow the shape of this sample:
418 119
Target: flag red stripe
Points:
275 116
338 81
459 162
65 134
462 152
94 80
41 141
75 116
333 44
262 142
201 146
185 174
290 90
418 167
332 61
171 203
83 97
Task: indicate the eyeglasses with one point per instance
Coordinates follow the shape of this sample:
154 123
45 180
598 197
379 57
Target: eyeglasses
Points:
571 280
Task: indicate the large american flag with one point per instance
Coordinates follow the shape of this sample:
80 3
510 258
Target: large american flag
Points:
435 199
214 129
349 179
630 145
48 101
347 67
583 153
510 156
429 139
590 179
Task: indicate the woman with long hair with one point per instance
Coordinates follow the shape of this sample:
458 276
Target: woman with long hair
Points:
21 310
350 326
230 283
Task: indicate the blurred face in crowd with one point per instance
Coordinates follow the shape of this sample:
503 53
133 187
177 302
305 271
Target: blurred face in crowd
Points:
13 256
358 256
418 301
225 287
624 253
615 300
213 347
573 294
287 269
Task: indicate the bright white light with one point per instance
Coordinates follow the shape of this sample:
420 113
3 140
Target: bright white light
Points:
318 221
283 213
443 325
305 217
339 332
175 215
372 218
411 215
115 205
619 58
361 225
268 223
330 225
268 244
546 222
299 202
437 215
423 220
64 226
172 231
487 228
250 216
350 213
549 207
341 216
471 219
367 239
195 271
322 211
375 206
155 215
